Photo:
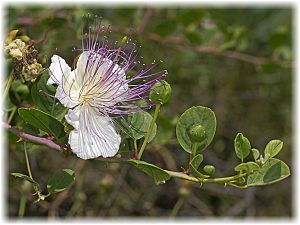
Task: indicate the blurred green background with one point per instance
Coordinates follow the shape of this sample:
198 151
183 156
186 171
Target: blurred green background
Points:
237 61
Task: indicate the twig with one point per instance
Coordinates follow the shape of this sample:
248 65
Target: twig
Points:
211 50
145 20
177 207
44 141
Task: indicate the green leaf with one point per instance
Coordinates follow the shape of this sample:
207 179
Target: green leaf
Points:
194 165
158 174
248 167
196 115
139 124
242 146
273 148
43 121
60 180
255 153
272 171
41 96
196 161
25 177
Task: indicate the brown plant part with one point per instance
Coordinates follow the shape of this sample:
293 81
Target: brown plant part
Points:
24 59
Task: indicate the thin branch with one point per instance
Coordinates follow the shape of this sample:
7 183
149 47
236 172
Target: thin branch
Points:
210 50
145 21
44 141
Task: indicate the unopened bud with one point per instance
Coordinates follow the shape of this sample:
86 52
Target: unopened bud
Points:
209 170
160 92
197 134
22 90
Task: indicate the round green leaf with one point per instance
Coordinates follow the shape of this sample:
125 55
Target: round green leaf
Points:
60 180
196 115
138 125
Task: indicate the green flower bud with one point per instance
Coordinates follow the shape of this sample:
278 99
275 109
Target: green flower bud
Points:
160 92
209 170
22 90
197 134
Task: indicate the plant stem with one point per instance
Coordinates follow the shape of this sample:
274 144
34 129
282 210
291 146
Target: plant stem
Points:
177 207
184 176
194 150
30 174
22 205
111 160
44 141
8 84
149 131
135 148
11 115
27 161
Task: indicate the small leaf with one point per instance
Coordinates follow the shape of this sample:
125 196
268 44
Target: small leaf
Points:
255 153
272 171
197 160
194 165
158 174
43 121
25 177
11 36
248 167
139 124
196 115
273 148
242 146
60 180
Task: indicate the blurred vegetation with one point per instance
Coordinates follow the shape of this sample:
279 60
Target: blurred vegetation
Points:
237 61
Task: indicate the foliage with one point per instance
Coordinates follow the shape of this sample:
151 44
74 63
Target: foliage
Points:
233 70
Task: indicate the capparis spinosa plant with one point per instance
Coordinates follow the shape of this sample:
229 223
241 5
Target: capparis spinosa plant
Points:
99 111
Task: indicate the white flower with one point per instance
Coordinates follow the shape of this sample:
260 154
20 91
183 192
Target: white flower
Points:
97 91
81 91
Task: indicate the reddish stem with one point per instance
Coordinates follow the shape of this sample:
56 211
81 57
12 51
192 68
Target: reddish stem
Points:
44 141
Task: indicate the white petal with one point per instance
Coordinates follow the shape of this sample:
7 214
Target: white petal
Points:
94 135
67 91
64 96
58 69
